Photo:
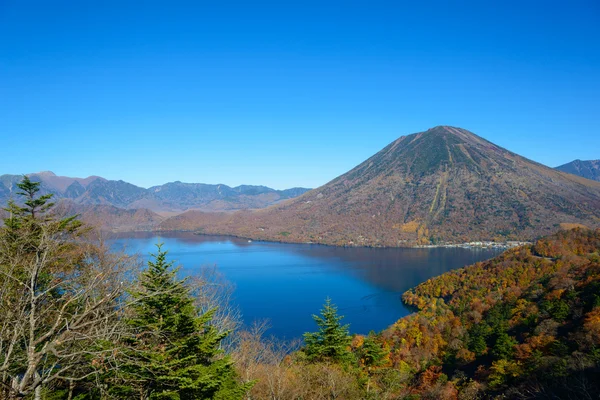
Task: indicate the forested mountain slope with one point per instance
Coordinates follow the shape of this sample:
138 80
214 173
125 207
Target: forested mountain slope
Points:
442 185
525 324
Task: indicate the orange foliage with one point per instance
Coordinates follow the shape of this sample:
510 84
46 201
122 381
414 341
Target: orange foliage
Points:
592 325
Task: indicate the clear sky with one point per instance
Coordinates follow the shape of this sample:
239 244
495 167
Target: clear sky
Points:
287 93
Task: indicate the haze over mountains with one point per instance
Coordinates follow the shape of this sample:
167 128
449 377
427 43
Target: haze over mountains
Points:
588 169
442 185
172 197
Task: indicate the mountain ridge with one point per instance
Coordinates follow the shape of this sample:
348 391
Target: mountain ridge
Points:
171 197
589 169
442 185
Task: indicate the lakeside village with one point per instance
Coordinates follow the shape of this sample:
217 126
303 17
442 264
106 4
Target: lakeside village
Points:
478 245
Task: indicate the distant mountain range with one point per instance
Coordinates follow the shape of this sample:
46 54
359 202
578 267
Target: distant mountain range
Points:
442 185
587 169
167 199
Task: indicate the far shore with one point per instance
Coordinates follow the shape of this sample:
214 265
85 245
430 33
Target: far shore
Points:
465 245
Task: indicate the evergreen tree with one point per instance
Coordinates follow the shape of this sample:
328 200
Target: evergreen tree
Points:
504 347
371 353
33 204
24 222
332 340
175 351
52 298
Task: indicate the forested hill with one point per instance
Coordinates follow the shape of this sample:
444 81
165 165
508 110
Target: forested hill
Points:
525 324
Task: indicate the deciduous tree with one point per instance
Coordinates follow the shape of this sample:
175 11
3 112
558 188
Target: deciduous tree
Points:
60 298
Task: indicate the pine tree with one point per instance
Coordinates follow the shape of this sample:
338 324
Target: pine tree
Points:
371 353
332 340
25 221
175 352
33 204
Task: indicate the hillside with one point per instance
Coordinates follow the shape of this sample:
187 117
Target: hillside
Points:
442 185
525 324
110 218
172 197
588 169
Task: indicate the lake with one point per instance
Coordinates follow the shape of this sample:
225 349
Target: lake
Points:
287 283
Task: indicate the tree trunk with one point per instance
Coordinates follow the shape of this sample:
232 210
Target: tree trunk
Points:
37 392
71 388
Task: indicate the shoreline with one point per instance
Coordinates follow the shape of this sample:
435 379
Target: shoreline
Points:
465 245
479 245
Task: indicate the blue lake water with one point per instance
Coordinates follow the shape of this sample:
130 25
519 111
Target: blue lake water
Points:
287 283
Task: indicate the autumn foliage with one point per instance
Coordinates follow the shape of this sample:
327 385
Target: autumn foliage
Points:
525 324
527 321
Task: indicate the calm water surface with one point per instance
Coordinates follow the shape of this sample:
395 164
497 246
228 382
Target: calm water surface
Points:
287 283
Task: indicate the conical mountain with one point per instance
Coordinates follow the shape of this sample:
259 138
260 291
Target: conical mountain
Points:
442 185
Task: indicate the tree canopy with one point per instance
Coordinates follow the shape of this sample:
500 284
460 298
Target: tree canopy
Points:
174 352
332 340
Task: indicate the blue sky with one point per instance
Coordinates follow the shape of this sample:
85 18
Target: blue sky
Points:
287 93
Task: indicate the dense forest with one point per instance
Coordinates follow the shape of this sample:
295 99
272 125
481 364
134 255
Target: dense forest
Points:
79 321
524 324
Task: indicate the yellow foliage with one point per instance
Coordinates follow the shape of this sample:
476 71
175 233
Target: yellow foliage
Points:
592 325
465 355
358 341
555 294
540 341
568 226
501 370
409 227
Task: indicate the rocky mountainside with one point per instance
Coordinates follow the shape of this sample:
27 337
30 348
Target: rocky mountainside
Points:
442 185
171 197
588 169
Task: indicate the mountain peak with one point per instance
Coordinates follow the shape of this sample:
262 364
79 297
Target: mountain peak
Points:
438 148
445 130
442 184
